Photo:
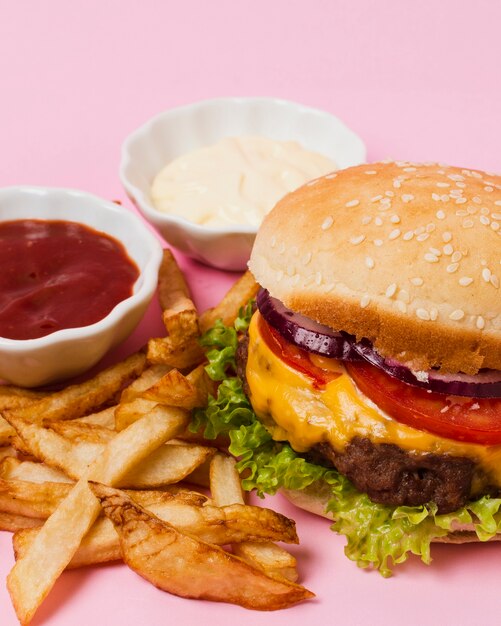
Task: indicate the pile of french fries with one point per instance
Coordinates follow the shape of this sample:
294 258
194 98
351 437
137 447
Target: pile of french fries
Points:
106 470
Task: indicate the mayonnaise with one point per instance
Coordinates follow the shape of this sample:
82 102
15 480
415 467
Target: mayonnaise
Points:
236 181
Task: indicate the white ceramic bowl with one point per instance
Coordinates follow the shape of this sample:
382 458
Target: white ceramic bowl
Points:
71 351
178 131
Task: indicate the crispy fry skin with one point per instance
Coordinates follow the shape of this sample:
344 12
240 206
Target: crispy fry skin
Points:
240 293
185 566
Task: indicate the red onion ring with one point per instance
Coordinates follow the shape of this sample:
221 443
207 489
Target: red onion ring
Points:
303 331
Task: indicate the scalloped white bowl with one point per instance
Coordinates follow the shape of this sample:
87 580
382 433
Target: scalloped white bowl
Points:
178 131
68 352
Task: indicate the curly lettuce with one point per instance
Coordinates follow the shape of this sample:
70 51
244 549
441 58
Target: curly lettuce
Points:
378 536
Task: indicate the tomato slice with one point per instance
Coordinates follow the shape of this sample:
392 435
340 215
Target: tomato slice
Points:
294 356
463 419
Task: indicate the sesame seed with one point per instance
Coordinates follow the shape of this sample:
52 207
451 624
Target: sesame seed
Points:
476 200
443 185
403 295
455 177
445 198
378 242
378 221
484 220
364 302
440 215
465 281
497 202
327 223
395 233
450 269
433 314
352 203
456 257
430 227
435 196
431 258
318 278
366 220
419 230
435 251
401 306
480 323
307 258
410 169
370 172
369 262
486 274
390 194
456 315
495 225
446 236
423 314
488 188
395 219
422 237
417 281
356 240
461 200
331 176
461 185
408 235
391 289
376 198
484 210
448 249
468 224
407 197
494 281
397 184
496 216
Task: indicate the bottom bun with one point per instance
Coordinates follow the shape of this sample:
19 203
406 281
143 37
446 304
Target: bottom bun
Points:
315 498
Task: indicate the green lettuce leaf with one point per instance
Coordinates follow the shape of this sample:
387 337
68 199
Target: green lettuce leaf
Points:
378 536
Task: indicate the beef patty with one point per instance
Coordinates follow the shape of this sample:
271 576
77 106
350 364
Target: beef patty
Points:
393 476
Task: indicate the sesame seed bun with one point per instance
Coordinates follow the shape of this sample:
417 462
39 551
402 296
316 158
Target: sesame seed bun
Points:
407 255
314 499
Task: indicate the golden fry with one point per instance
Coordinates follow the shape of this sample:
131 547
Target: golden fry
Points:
188 567
32 577
225 489
238 296
164 351
78 400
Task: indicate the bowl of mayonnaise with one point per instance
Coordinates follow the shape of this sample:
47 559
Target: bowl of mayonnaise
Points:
205 175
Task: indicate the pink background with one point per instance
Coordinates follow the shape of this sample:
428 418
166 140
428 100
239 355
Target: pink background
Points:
417 80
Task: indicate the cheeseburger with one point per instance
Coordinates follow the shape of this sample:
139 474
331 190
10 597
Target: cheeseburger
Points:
373 361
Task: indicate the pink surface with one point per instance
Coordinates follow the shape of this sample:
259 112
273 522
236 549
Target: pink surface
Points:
416 80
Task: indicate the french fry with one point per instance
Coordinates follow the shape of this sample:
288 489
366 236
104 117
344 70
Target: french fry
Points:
149 377
105 418
14 523
82 431
15 469
179 314
80 399
217 525
164 351
32 577
129 412
174 389
186 566
7 451
240 293
166 465
226 489
31 499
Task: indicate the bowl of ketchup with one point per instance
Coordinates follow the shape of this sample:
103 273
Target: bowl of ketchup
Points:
77 274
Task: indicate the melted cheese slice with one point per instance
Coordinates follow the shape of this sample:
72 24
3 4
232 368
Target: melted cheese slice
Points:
292 409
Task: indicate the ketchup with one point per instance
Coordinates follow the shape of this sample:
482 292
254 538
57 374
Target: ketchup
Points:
58 274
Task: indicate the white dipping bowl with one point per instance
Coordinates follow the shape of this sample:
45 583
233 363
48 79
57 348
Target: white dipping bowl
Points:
68 352
179 131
